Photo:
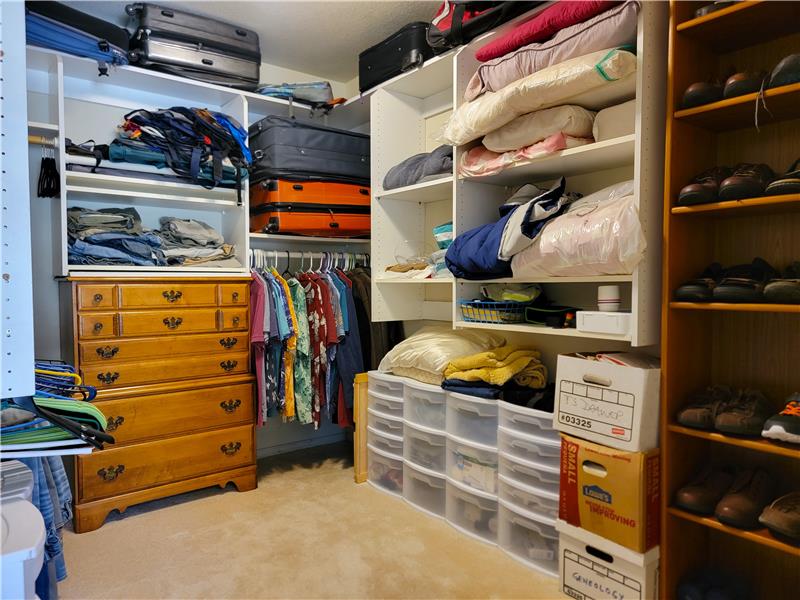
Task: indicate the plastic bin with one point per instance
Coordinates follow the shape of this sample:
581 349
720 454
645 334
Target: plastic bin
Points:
530 539
384 423
527 447
527 498
474 465
392 444
424 489
527 420
424 405
471 512
472 418
540 477
424 448
386 384
385 471
387 405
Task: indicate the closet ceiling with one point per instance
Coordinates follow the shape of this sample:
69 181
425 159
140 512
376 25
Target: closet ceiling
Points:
322 38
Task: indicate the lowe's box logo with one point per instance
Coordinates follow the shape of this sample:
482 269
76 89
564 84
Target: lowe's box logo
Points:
598 493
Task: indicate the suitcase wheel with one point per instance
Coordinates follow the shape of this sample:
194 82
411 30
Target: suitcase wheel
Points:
132 9
273 226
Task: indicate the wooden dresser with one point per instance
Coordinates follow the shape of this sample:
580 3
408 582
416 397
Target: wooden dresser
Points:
170 359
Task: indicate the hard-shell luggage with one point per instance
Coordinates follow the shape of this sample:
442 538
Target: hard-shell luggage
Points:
310 208
300 151
58 27
403 50
459 21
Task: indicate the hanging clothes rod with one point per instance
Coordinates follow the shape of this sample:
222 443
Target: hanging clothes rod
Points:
282 254
43 141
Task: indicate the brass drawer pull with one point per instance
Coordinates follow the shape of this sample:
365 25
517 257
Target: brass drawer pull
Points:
235 296
228 365
172 295
173 322
230 448
228 342
98 327
111 472
230 406
108 378
98 298
114 422
107 351
235 321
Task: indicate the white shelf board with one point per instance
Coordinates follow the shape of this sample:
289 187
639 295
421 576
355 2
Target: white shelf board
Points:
599 156
147 271
428 191
540 330
434 76
133 187
380 280
37 128
589 279
304 239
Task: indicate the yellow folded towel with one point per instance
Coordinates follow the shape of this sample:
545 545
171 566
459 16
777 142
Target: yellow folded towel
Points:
498 366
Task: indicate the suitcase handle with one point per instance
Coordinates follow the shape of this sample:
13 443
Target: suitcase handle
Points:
333 224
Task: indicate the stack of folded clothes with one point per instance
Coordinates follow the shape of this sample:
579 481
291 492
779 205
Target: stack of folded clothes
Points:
420 168
191 242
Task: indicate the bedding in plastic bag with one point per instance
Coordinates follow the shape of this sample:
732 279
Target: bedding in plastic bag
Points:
599 235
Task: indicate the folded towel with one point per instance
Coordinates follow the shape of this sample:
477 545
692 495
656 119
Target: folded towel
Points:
498 366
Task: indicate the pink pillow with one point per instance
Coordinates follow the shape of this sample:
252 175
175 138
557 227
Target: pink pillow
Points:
543 26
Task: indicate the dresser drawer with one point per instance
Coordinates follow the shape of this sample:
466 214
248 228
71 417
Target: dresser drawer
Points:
118 470
163 369
232 319
97 325
143 417
234 294
96 297
152 295
149 322
124 350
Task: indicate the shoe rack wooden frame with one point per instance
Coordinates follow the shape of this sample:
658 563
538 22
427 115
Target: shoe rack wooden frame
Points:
745 345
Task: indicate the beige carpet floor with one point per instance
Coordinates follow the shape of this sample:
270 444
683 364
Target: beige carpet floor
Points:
308 531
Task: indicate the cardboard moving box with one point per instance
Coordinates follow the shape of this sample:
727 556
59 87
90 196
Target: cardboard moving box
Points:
609 492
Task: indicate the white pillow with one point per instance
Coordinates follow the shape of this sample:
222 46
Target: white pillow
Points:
536 126
615 121
425 354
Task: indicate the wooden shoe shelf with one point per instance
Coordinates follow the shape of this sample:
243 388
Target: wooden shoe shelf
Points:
742 345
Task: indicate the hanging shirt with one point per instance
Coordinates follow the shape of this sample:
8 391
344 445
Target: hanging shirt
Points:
318 334
349 358
257 302
340 288
302 367
290 352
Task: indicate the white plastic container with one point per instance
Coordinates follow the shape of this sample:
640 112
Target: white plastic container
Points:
385 471
392 444
535 501
384 423
386 384
531 539
23 536
540 477
471 512
473 465
472 418
425 448
424 489
527 420
387 405
527 447
424 404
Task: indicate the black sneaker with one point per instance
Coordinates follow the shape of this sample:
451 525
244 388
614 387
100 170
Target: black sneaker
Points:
785 426
786 289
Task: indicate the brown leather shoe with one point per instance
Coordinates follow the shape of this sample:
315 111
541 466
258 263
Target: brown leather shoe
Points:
704 187
702 494
782 517
700 93
704 406
747 181
740 84
749 494
744 415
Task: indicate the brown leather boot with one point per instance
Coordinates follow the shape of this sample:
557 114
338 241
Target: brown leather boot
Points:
749 494
702 494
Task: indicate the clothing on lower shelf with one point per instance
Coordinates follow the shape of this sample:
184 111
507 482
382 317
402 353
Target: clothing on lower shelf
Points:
499 366
510 391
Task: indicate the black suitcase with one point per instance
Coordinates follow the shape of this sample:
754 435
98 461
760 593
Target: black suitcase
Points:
298 151
403 50
194 61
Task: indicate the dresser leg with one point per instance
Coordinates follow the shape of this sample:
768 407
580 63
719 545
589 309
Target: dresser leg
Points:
245 482
89 518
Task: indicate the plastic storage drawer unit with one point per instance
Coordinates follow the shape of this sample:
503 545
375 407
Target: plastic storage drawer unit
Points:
387 405
474 465
424 405
539 477
386 384
424 489
472 418
385 471
424 448
527 447
384 423
530 539
472 512
527 498
527 420
392 444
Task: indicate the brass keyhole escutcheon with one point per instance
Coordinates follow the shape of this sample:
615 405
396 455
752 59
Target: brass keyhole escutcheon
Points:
230 448
108 377
172 295
111 472
107 351
228 365
230 406
228 342
173 322
114 422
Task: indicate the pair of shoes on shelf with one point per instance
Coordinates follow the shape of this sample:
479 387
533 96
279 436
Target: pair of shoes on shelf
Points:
712 583
786 72
757 282
746 180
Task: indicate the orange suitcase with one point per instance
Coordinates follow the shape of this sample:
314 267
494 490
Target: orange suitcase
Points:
309 208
